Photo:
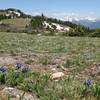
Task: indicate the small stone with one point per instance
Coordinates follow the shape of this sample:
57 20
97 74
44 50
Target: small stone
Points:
53 69
39 34
57 75
28 97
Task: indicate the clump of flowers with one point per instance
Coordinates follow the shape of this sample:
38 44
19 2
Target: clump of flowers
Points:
89 83
3 69
18 65
25 69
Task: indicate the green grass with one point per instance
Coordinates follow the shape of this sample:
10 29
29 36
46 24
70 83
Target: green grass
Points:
23 42
45 88
79 53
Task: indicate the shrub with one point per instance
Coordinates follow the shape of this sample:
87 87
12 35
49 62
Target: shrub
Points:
95 34
97 90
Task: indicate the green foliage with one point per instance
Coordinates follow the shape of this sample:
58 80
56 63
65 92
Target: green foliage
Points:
2 17
2 78
24 86
44 88
36 23
96 90
13 79
77 30
69 63
95 34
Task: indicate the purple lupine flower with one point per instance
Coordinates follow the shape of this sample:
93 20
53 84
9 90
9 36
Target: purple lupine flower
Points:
89 83
18 65
3 69
25 69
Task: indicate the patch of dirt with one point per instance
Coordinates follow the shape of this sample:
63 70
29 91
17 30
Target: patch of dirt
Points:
7 60
90 72
56 63
11 60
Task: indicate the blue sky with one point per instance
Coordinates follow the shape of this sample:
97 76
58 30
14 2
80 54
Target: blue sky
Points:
58 8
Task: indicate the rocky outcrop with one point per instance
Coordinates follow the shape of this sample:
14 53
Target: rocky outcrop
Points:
14 94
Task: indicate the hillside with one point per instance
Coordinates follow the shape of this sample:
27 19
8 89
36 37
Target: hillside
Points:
19 19
13 13
14 20
17 22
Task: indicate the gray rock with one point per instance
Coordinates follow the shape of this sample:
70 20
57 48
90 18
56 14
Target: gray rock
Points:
28 97
16 94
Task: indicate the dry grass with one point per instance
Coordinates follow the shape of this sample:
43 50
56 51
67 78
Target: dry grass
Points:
18 22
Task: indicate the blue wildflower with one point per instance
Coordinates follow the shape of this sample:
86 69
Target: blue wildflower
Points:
25 69
3 69
89 83
18 65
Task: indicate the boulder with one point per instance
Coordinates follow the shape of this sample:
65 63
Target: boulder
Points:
57 75
15 94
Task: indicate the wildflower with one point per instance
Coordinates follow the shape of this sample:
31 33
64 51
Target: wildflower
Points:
18 65
89 83
3 69
25 69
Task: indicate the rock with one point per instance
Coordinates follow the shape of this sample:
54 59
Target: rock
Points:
95 70
57 75
53 69
28 97
3 96
15 94
39 34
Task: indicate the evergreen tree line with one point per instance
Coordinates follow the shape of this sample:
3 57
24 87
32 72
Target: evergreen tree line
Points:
78 30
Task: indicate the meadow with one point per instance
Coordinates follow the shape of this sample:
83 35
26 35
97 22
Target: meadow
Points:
17 22
66 54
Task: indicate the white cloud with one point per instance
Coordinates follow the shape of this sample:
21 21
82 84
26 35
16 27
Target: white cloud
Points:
68 16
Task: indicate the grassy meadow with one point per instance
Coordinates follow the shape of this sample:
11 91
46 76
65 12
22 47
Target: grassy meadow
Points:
74 54
77 49
17 22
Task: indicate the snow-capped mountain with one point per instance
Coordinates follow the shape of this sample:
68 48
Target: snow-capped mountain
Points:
90 22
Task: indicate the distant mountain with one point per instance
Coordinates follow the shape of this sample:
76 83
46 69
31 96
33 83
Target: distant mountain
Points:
90 22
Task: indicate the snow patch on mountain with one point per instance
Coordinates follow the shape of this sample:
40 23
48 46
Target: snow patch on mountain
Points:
74 18
13 13
58 27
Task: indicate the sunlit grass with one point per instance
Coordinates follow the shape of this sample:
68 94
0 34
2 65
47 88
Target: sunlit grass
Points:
80 53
